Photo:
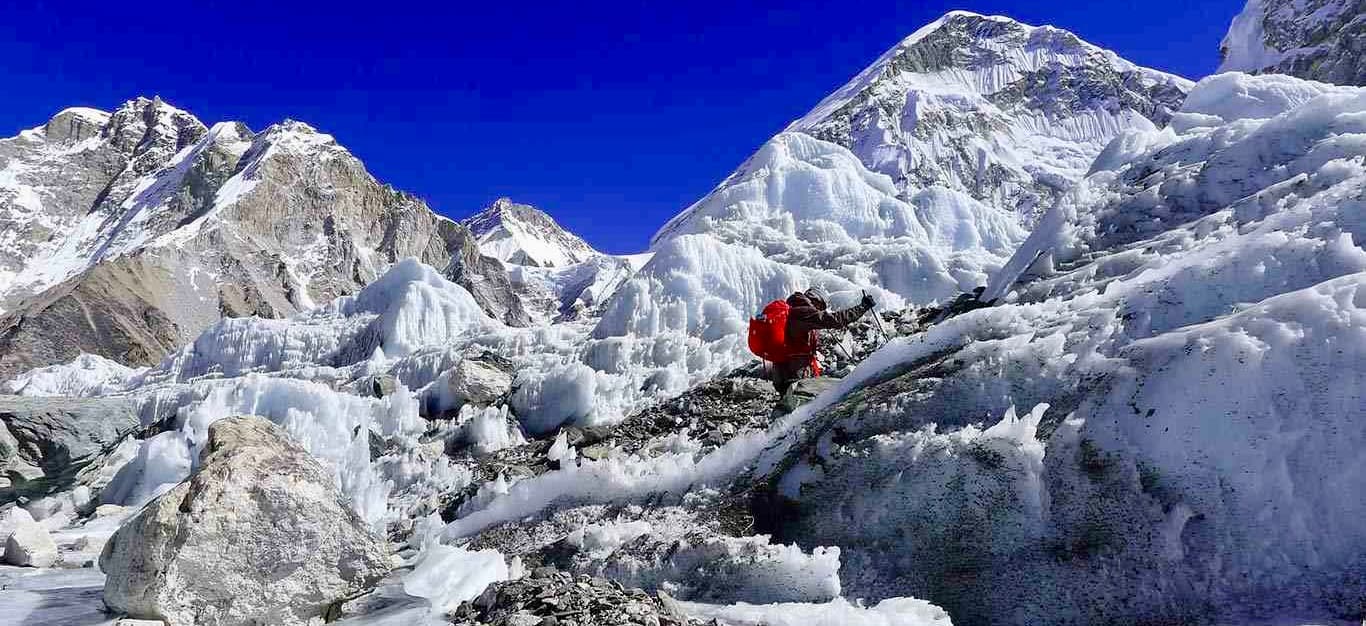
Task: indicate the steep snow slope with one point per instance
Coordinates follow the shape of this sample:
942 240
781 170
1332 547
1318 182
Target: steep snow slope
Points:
126 239
1314 39
916 180
520 234
802 212
1008 113
1188 328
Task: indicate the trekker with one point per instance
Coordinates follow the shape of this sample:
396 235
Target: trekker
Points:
806 315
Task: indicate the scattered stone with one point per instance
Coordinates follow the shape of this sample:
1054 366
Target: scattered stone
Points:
377 386
597 452
552 598
109 510
258 535
30 545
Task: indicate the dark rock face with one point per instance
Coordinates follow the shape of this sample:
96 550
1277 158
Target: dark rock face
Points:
1323 40
485 278
47 443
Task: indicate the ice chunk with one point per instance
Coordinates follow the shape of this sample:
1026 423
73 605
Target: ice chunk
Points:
545 401
837 612
86 375
447 575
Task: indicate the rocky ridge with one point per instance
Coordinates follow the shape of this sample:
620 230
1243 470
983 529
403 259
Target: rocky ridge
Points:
127 233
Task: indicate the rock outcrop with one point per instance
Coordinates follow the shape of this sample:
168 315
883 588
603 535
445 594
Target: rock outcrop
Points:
1314 39
49 444
477 382
258 535
551 598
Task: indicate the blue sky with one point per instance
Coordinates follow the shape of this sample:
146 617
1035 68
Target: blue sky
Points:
611 116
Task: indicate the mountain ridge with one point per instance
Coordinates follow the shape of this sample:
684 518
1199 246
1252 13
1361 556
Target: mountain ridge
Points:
521 234
218 221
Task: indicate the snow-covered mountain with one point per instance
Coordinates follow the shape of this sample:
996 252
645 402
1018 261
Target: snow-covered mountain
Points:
1188 327
124 234
915 181
1007 113
1150 415
520 234
1315 39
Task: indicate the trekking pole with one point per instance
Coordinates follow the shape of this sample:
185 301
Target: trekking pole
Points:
877 320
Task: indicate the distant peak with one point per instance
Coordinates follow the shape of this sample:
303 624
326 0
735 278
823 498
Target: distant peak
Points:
504 209
142 103
522 234
503 203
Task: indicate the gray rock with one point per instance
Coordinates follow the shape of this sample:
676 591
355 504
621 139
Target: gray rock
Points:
377 386
258 535
477 382
486 279
550 598
30 545
1316 39
804 391
52 444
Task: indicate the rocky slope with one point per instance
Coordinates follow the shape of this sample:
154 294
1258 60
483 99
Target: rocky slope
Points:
1314 39
124 234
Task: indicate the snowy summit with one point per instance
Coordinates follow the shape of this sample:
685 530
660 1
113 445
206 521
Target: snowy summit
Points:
521 234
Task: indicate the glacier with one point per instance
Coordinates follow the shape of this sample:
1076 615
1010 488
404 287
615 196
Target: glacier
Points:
1151 418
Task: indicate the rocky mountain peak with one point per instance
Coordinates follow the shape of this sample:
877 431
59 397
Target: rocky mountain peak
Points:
156 226
521 234
75 124
150 130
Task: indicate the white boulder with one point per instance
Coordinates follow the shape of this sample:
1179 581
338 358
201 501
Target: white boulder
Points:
258 535
11 519
29 544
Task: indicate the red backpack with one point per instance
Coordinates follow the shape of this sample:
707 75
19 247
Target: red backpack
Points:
768 337
768 332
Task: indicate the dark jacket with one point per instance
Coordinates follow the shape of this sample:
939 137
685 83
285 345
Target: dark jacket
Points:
809 314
